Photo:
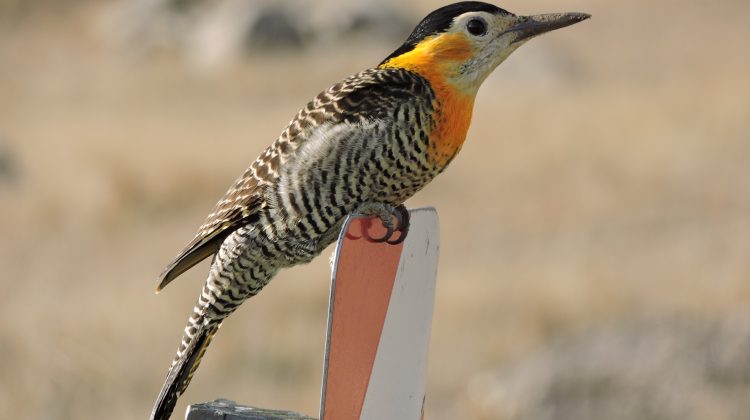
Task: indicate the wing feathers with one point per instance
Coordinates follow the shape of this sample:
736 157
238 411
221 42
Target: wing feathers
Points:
366 97
228 216
193 253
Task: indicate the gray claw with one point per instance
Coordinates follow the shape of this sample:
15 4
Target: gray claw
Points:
386 212
403 218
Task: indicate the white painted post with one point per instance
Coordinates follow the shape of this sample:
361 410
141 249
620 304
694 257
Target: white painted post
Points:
380 318
379 322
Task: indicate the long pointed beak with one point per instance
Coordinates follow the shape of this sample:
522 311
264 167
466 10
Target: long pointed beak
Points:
530 26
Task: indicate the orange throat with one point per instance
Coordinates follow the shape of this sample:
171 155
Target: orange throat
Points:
451 120
438 60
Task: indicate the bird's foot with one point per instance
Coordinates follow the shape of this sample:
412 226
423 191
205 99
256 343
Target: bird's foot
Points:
386 213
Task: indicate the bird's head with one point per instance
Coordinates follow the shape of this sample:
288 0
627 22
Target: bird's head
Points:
462 43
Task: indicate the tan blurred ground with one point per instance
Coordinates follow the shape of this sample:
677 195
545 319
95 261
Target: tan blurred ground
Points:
606 177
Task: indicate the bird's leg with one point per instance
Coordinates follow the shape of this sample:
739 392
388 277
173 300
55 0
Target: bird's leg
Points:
386 213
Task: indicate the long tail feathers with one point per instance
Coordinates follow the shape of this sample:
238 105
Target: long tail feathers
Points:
182 370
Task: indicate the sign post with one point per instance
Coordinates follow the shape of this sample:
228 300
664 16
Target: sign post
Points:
379 323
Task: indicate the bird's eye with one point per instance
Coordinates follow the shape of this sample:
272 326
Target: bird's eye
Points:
477 27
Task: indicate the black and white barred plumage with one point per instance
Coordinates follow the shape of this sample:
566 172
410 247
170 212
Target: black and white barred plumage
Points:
364 145
363 140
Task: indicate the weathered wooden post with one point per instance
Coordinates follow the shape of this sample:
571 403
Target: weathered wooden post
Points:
379 322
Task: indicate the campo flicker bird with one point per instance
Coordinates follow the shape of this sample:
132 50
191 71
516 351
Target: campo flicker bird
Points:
364 145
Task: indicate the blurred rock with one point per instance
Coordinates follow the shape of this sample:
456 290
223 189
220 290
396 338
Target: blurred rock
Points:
8 165
678 369
212 33
383 20
274 28
142 27
221 34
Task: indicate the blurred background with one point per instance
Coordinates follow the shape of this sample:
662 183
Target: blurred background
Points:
596 228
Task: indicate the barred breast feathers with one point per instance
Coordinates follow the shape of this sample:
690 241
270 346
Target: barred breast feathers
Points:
347 114
322 163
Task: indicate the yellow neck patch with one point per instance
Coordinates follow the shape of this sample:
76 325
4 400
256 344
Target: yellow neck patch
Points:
438 59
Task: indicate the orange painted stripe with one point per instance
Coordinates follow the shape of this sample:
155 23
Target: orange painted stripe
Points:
364 280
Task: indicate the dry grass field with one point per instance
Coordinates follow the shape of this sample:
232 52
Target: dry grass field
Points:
606 178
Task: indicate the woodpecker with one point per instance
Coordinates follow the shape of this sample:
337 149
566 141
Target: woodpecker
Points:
364 146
